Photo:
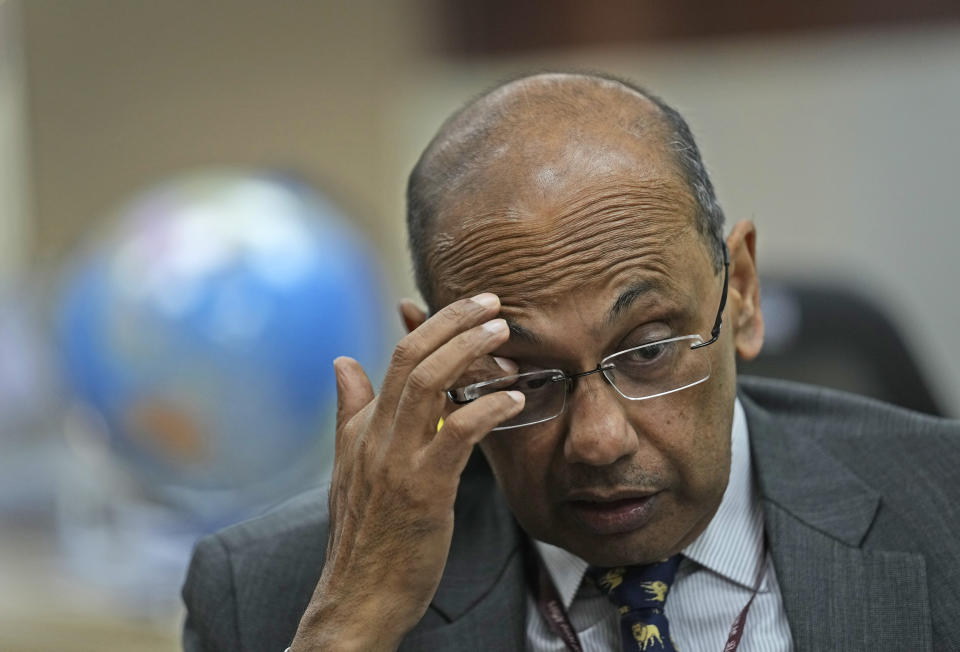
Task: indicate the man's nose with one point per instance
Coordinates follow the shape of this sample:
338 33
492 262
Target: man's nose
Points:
598 431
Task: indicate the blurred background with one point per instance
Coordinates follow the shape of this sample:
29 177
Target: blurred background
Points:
201 205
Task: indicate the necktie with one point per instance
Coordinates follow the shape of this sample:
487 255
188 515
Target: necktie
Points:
640 593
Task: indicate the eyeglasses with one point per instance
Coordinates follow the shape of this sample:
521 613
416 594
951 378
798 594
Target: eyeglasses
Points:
637 374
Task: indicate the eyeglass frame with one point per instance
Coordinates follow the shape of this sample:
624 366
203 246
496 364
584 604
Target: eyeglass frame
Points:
600 368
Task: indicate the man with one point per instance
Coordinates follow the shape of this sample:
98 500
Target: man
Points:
586 316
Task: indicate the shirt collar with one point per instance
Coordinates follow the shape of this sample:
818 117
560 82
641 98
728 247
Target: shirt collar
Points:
731 545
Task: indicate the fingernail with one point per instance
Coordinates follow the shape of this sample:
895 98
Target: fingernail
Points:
516 396
508 366
487 300
495 326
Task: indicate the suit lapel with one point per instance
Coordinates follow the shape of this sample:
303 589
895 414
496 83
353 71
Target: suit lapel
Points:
481 601
837 595
495 622
843 598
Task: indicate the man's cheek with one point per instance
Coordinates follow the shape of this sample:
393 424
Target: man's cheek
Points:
514 466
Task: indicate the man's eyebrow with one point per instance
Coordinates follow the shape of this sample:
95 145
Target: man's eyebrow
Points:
516 330
623 302
630 295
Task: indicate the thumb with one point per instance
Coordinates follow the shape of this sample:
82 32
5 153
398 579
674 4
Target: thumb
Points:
354 390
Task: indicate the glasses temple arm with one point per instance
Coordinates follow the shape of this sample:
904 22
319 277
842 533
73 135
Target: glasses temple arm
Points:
715 333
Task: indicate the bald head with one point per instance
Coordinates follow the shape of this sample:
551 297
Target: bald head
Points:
506 154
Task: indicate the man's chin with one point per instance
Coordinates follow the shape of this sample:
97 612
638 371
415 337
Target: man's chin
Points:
627 549
637 547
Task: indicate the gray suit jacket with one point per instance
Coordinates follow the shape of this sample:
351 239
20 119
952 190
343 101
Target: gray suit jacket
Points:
862 508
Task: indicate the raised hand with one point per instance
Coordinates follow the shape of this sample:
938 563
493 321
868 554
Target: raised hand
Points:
395 479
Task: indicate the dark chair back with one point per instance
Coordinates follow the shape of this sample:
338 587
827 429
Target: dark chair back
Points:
836 337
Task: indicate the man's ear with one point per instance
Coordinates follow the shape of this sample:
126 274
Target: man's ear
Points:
411 314
745 314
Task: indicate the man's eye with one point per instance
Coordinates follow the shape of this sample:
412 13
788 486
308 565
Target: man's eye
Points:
649 360
648 353
644 340
535 382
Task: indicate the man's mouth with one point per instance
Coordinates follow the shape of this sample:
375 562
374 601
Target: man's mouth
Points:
613 514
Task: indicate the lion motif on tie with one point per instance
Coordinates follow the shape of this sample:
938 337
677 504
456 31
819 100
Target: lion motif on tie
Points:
657 590
611 579
647 636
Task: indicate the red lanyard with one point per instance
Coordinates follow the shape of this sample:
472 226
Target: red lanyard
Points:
551 608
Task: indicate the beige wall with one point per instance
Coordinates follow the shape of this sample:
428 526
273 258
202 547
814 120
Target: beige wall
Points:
15 226
125 93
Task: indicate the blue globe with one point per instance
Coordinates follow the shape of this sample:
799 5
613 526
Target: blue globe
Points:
202 327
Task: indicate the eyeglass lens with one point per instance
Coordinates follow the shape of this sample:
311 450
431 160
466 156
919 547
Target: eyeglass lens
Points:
658 368
639 373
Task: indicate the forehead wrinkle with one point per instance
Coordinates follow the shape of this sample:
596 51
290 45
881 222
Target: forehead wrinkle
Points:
533 265
527 260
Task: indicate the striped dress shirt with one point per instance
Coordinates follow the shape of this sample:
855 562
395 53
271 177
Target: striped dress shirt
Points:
716 578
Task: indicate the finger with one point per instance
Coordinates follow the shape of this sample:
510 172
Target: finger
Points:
427 338
423 395
486 367
465 427
354 391
411 314
506 366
